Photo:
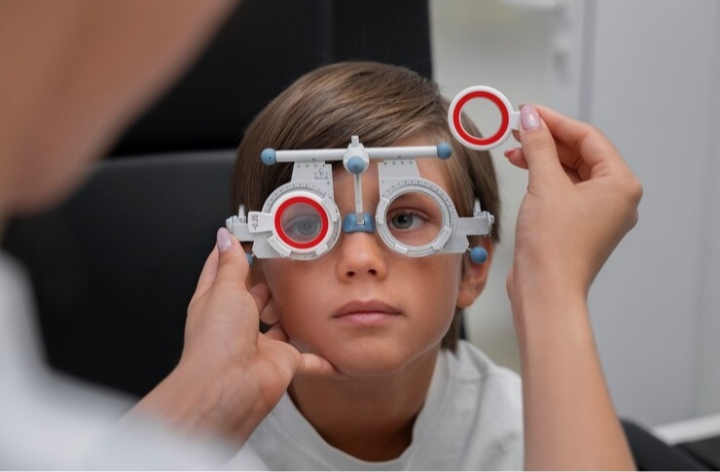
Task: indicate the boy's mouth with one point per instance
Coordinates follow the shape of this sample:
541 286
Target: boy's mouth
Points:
366 313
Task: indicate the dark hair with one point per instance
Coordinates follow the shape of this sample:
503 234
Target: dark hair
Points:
380 103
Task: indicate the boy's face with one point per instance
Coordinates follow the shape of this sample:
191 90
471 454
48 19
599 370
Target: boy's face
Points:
363 306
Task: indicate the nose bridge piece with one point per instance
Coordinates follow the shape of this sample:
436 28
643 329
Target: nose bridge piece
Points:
355 222
360 255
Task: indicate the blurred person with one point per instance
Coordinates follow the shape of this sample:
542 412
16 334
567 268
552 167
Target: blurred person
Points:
73 74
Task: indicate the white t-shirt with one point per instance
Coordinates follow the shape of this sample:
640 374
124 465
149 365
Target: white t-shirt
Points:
472 420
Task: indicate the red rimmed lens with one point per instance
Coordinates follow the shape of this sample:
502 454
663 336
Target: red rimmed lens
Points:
301 222
475 140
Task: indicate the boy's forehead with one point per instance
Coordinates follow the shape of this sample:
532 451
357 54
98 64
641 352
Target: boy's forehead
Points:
430 168
436 170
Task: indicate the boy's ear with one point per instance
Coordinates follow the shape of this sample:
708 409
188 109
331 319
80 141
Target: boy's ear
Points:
256 277
474 276
269 316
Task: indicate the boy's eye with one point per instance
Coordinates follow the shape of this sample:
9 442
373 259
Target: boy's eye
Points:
301 222
303 228
414 219
405 221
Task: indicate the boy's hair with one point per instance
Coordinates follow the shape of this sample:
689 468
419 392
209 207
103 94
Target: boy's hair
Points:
381 104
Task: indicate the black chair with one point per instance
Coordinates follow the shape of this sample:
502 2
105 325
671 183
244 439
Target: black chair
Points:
651 453
114 267
262 48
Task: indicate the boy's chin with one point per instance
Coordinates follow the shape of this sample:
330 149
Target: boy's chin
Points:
358 363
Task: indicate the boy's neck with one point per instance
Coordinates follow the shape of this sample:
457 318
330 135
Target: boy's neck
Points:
369 418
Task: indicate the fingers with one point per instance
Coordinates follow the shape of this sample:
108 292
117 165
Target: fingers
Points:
276 333
579 147
303 364
516 158
538 150
228 258
207 276
586 149
233 266
581 143
261 295
312 365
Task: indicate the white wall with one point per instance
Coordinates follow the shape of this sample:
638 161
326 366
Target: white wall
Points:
655 306
644 71
492 43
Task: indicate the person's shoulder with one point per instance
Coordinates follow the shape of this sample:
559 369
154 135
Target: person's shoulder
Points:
481 411
11 271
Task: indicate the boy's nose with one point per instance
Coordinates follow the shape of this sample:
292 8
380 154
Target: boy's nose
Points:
361 254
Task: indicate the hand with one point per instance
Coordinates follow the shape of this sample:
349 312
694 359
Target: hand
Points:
229 376
581 200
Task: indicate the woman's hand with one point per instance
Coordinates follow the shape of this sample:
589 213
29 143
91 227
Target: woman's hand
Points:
230 375
581 200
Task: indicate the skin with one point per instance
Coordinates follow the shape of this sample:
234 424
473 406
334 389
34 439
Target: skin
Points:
74 73
229 376
581 200
387 353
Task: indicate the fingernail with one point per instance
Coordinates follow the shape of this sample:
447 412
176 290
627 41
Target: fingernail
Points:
529 117
223 240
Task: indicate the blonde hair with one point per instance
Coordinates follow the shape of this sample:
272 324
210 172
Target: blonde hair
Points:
380 103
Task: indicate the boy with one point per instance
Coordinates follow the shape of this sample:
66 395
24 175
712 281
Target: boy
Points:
409 394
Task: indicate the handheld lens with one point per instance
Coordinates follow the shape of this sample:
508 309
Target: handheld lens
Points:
508 117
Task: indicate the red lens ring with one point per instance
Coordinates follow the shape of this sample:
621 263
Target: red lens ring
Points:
281 232
504 118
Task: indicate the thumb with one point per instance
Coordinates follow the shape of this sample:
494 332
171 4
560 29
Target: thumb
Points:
233 266
312 365
539 149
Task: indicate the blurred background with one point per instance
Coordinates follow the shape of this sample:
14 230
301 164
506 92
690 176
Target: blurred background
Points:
646 73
